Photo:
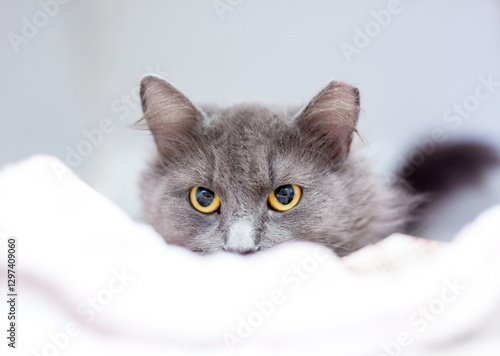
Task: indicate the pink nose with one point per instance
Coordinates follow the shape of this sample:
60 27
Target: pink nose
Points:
241 251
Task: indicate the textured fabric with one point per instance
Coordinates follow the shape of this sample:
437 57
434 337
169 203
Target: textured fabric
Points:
92 281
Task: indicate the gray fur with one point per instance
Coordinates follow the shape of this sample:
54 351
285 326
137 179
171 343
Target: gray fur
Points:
243 153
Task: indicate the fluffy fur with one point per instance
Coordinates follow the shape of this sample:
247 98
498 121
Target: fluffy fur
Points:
243 153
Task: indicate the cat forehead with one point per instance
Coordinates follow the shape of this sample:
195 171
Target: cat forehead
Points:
244 116
241 139
244 128
251 146
248 131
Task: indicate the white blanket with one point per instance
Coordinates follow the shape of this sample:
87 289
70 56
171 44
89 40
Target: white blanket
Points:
90 281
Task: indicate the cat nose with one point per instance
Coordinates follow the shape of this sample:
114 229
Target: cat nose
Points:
241 251
241 239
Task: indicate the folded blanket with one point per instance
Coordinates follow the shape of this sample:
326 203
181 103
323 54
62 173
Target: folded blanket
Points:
91 281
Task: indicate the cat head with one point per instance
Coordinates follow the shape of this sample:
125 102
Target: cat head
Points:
248 177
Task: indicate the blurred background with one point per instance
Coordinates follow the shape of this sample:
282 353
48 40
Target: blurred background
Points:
70 73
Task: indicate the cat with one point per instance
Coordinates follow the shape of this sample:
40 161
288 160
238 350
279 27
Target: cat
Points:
247 178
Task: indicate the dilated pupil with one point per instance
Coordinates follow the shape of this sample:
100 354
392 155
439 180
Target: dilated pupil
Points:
204 197
284 194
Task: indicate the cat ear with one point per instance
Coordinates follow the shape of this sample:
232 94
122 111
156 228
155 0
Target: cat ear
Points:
330 118
170 116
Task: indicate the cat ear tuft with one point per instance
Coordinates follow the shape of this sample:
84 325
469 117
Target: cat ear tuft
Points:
330 118
170 116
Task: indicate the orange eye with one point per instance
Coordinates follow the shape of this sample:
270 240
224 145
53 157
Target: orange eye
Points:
285 197
204 200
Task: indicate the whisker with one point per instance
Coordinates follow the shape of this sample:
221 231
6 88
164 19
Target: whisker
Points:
339 246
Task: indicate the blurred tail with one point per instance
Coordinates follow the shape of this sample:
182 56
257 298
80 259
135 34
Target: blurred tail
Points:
438 171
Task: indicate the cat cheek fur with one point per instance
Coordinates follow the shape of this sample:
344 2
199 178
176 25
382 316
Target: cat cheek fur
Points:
243 153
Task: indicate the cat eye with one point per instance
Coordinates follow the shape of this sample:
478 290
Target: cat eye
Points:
285 197
204 200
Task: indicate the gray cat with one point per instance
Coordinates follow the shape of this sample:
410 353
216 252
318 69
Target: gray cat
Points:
246 178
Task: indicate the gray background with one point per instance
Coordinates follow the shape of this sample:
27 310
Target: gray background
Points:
80 66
